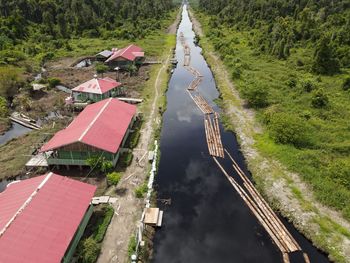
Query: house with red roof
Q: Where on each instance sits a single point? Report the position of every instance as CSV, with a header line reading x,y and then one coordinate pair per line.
x,y
123,58
99,131
43,218
97,89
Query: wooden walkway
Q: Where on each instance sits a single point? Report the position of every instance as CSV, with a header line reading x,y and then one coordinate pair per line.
x,y
212,132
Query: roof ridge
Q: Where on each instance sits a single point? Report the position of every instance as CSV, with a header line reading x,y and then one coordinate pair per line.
x,y
98,84
94,120
26,203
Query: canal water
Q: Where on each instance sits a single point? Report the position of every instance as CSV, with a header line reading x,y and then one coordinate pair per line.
x,y
207,221
15,131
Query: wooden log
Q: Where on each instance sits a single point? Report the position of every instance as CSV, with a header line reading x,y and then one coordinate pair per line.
x,y
251,206
306,258
293,245
285,258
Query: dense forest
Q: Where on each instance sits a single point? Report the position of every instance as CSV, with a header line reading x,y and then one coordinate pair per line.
x,y
278,26
290,60
42,19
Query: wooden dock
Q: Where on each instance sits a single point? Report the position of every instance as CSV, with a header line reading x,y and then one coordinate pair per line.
x,y
263,212
213,136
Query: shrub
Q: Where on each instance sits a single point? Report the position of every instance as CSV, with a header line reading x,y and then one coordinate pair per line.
x,y
102,228
134,139
346,84
308,85
53,82
100,163
3,107
126,159
91,250
101,68
141,190
319,99
113,178
256,96
132,246
288,129
292,82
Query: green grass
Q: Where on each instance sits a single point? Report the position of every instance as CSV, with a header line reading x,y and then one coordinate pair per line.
x,y
323,163
320,162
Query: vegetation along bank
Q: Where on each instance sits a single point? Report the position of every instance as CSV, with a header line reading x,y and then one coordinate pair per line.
x,y
289,61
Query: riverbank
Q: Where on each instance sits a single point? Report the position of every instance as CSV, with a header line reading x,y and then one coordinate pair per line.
x,y
327,229
115,247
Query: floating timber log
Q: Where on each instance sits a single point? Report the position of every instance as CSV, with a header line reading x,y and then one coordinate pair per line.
x,y
213,138
195,83
201,103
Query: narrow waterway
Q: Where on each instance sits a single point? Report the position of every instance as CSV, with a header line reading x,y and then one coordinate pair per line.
x,y
15,131
207,221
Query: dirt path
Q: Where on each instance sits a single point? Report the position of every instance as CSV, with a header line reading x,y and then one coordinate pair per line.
x,y
277,181
128,208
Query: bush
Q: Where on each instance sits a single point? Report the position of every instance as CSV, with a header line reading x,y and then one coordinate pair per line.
x,y
319,99
53,82
91,250
257,97
346,84
134,139
100,163
141,190
132,246
292,82
126,159
102,228
3,108
308,85
288,129
101,68
113,178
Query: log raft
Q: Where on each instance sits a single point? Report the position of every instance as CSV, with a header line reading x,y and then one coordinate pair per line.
x,y
213,137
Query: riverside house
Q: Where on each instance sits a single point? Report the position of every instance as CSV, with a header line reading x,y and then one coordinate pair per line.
x,y
97,89
100,131
125,57
43,218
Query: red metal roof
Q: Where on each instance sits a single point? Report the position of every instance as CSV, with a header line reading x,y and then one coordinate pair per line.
x,y
130,53
48,210
101,125
97,85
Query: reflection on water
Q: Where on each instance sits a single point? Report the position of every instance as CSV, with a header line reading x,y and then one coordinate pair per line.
x,y
207,221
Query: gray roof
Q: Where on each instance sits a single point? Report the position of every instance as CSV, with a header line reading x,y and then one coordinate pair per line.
x,y
105,53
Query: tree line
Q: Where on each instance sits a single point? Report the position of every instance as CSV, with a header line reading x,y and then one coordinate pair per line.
x,y
21,19
279,25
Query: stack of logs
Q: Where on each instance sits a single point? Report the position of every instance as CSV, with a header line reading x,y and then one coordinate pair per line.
x,y
263,212
195,83
212,132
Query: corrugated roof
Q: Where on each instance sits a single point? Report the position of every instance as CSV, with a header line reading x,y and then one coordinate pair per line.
x,y
105,53
45,214
101,125
130,53
97,85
